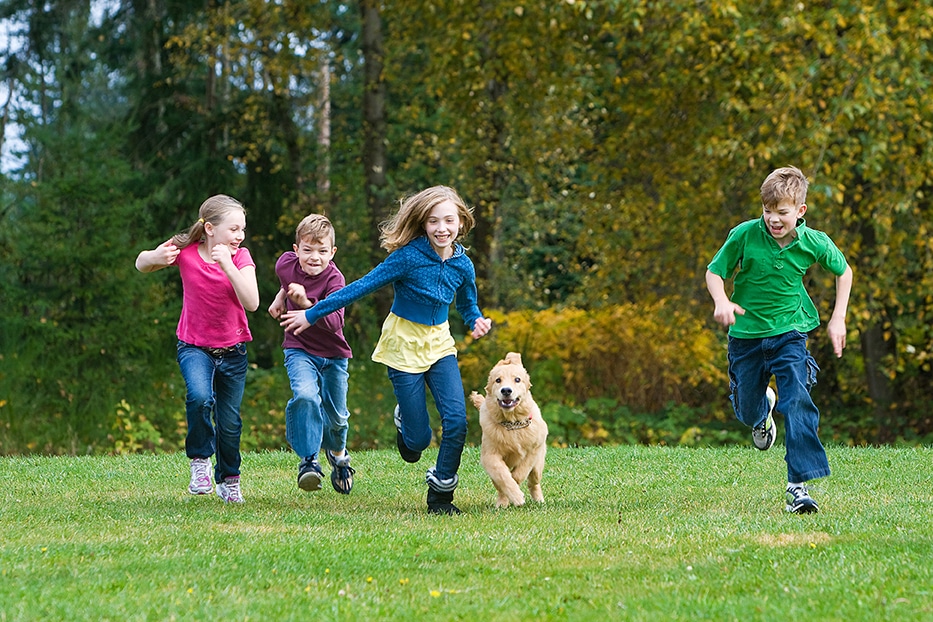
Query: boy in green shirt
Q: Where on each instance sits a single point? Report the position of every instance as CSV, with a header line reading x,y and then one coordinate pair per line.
x,y
768,318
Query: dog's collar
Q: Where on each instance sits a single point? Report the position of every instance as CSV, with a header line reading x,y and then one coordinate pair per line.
x,y
516,425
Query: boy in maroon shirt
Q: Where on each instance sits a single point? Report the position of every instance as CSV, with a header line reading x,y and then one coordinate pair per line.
x,y
316,359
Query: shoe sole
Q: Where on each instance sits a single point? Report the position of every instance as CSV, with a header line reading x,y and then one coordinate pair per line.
x,y
342,486
200,491
310,481
773,438
407,454
804,508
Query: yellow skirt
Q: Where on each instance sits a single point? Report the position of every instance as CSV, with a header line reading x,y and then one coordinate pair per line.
x,y
411,347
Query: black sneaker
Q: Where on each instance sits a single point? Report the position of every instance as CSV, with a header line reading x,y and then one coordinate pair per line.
x,y
342,475
763,435
799,501
407,454
442,503
310,474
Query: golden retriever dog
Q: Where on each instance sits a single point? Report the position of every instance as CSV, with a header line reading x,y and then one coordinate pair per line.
x,y
514,434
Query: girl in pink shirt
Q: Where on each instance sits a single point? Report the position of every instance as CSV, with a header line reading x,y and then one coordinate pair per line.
x,y
218,277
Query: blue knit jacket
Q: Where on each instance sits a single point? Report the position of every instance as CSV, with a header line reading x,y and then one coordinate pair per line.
x,y
425,285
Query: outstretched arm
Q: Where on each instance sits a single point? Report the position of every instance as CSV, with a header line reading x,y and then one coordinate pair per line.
x,y
836,329
162,256
725,310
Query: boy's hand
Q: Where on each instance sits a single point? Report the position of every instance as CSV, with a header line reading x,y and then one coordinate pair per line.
x,y
297,294
481,327
294,322
277,308
725,313
836,329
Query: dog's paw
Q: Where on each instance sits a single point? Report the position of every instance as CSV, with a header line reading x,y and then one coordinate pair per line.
x,y
477,399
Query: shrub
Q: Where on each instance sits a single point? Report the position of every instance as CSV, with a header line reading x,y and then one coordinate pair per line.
x,y
593,370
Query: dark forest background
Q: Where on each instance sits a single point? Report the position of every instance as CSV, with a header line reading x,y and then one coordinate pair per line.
x,y
607,147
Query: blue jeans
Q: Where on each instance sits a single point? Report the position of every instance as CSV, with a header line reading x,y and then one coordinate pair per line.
x,y
316,416
443,379
752,362
215,386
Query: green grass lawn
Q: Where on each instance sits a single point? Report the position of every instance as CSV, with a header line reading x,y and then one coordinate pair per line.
x,y
629,533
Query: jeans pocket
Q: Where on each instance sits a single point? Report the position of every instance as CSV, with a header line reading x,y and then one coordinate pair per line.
x,y
812,370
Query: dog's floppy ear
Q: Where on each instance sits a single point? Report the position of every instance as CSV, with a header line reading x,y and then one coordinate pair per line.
x,y
514,358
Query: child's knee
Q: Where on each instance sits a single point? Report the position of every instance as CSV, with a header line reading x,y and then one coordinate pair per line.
x,y
419,440
455,429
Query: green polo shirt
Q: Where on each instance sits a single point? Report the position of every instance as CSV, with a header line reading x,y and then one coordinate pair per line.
x,y
769,281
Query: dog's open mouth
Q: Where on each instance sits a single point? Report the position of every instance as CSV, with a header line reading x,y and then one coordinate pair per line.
x,y
507,404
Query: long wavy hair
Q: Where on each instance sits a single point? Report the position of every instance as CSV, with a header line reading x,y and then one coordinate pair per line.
x,y
214,210
408,222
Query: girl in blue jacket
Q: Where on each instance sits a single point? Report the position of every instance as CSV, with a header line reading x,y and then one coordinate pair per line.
x,y
429,269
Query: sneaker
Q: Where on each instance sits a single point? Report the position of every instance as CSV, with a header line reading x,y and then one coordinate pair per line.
x,y
310,474
442,503
201,480
407,454
342,475
229,490
763,435
799,501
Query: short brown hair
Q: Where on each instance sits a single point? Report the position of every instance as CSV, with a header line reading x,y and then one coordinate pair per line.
x,y
787,182
317,228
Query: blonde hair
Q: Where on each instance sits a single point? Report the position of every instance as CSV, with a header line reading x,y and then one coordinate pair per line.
x,y
787,182
408,223
213,210
317,228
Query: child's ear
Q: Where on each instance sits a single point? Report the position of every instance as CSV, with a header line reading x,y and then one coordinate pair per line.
x,y
801,210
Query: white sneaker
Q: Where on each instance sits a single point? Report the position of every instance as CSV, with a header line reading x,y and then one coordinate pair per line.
x,y
201,480
229,490
763,434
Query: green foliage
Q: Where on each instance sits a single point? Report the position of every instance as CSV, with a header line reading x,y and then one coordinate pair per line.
x,y
606,146
133,433
619,374
644,356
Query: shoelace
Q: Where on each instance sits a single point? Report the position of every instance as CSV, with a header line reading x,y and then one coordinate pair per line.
x,y
233,491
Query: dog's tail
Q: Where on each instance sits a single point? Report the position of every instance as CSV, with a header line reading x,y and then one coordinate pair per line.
x,y
477,399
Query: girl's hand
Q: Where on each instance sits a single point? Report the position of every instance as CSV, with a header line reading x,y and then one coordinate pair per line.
x,y
294,322
168,253
221,254
481,327
162,256
298,295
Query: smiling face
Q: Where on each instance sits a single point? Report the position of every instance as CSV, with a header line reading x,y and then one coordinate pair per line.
x,y
442,226
230,230
782,218
314,255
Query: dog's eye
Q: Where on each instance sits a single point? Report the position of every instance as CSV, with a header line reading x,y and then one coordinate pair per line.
x,y
498,380
518,381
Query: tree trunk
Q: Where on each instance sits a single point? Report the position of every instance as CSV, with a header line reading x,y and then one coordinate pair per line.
x,y
374,135
323,137
875,348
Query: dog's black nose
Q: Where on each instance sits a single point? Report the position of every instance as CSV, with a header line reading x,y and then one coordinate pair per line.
x,y
506,391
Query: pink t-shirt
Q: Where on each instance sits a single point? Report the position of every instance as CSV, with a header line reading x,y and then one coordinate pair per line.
x,y
211,314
